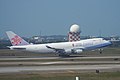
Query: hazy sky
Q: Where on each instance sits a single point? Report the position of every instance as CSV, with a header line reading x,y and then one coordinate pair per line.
x,y
54,17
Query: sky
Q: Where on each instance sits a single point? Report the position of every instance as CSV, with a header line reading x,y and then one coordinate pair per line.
x,y
54,17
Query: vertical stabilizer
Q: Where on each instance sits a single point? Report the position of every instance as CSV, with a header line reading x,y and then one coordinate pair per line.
x,y
15,39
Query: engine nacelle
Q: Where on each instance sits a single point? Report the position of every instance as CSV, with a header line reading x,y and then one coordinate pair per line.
x,y
78,51
73,51
68,51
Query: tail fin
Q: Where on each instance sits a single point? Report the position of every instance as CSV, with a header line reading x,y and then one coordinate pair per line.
x,y
15,39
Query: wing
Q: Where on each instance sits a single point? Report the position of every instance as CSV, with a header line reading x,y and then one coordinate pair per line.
x,y
62,51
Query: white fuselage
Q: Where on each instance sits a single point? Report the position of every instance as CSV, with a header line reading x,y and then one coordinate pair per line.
x,y
88,44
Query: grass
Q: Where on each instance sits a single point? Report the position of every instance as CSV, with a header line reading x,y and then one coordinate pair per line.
x,y
62,76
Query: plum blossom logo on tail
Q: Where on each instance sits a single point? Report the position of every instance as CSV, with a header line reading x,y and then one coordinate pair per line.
x,y
16,40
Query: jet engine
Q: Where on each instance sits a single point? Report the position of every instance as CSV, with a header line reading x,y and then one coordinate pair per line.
x,y
77,51
73,51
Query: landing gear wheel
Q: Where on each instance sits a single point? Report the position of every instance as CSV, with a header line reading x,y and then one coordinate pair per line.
x,y
100,51
64,55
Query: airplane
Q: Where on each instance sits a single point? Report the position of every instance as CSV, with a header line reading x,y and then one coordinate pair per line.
x,y
61,48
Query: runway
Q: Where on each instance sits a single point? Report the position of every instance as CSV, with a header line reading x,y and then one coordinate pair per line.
x,y
39,58
32,63
102,63
58,68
